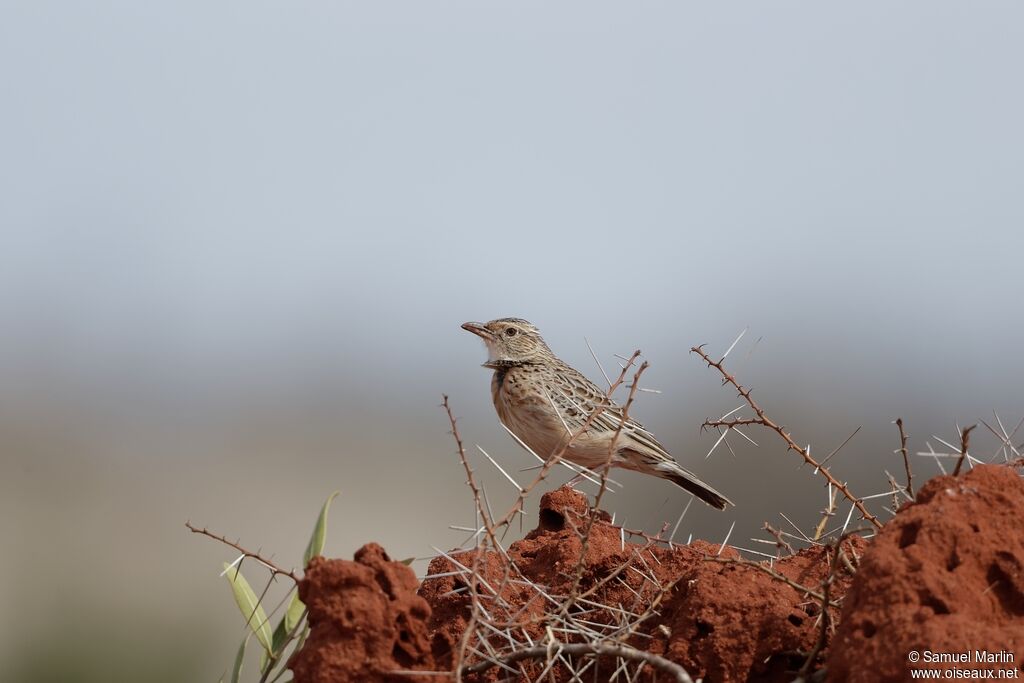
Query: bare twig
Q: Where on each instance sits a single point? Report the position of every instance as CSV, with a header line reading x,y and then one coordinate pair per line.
x,y
470,479
826,588
732,424
906,458
547,652
780,541
965,437
765,421
488,527
273,568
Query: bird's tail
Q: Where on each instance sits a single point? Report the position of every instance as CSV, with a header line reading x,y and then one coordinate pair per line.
x,y
684,479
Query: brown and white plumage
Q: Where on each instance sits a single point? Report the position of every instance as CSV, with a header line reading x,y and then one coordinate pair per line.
x,y
543,401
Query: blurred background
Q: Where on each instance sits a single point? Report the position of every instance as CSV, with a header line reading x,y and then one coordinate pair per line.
x,y
238,240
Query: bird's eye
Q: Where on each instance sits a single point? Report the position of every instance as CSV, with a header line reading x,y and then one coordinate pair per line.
x,y
510,332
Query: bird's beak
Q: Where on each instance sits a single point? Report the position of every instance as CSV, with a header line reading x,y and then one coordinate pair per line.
x,y
479,330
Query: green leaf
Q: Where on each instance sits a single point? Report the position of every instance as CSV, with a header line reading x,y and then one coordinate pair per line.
x,y
249,605
236,672
280,673
287,624
294,613
298,646
316,541
302,638
408,561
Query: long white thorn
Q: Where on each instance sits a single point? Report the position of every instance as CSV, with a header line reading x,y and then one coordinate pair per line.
x,y
598,361
722,547
232,565
679,521
500,468
848,517
739,407
736,429
720,439
733,345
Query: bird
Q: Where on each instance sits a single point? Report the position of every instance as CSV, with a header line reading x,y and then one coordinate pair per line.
x,y
543,401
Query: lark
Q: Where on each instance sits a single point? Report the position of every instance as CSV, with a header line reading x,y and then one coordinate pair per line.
x,y
544,401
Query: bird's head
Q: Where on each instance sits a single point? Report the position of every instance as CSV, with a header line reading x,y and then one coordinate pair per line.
x,y
510,341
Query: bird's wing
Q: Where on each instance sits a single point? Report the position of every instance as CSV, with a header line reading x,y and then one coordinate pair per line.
x,y
577,397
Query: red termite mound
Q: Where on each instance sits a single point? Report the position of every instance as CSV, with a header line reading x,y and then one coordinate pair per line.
x,y
365,619
945,576
725,622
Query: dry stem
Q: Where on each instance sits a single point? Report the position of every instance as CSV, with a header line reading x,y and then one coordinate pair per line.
x,y
965,437
780,541
825,617
478,554
906,457
548,652
273,568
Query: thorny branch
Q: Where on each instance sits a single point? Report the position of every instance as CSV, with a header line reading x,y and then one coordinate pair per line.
x,y
470,480
548,652
780,540
826,602
478,555
965,437
274,657
906,457
274,569
763,420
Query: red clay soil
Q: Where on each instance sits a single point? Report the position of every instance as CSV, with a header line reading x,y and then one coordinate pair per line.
x,y
944,575
365,621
